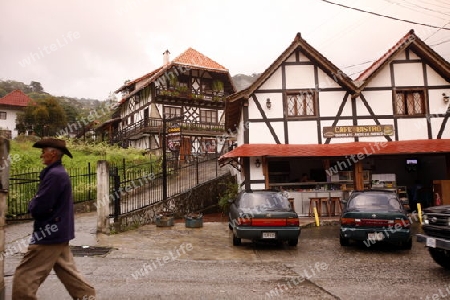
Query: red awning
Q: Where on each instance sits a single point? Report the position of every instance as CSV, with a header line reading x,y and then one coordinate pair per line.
x,y
341,149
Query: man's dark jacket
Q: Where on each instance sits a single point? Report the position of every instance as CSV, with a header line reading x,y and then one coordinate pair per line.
x,y
52,207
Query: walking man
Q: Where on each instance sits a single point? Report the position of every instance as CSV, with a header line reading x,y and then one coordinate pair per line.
x,y
52,211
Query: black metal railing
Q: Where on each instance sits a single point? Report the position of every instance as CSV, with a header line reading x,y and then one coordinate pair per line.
x,y
23,185
140,189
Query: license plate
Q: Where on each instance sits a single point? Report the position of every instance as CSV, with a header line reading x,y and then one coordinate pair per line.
x,y
377,236
268,235
431,242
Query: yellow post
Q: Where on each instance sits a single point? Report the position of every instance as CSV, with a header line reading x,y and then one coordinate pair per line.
x,y
316,216
419,211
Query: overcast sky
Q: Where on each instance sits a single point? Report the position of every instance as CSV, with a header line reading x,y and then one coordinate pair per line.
x,y
89,48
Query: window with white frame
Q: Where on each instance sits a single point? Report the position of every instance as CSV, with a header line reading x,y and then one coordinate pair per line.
x,y
2,115
409,103
301,104
208,116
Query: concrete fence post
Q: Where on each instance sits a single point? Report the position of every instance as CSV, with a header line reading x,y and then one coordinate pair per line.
x,y
103,197
4,183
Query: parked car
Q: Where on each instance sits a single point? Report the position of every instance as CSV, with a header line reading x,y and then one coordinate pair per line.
x,y
436,236
374,216
263,215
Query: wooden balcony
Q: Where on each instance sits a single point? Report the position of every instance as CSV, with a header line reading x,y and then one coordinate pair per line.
x,y
154,126
183,96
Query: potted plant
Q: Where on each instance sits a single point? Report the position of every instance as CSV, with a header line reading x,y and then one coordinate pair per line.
x,y
217,87
164,219
228,196
193,220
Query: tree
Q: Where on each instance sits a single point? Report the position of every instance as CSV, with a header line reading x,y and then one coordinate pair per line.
x,y
11,85
45,117
72,112
36,87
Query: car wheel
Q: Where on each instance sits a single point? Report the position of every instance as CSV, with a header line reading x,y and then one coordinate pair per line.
x,y
236,240
407,245
293,243
441,257
343,241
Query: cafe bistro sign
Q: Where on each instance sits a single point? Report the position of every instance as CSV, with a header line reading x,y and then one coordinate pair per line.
x,y
357,131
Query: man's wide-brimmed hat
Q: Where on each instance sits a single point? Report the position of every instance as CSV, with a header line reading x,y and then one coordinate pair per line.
x,y
53,143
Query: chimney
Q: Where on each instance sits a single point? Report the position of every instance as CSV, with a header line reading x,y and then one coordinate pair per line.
x,y
166,58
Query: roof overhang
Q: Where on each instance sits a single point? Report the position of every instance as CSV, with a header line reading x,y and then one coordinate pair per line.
x,y
359,149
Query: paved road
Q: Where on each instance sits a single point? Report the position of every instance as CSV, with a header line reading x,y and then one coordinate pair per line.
x,y
190,263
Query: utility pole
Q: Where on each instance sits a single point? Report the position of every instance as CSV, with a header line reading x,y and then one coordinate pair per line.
x,y
164,149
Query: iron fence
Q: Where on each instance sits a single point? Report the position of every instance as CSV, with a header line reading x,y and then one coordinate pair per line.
x,y
134,190
132,187
23,185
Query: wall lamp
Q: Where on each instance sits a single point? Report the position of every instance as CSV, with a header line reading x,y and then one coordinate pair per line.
x,y
257,163
268,103
445,97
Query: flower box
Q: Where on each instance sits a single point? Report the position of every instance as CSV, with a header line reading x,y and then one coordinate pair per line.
x,y
194,220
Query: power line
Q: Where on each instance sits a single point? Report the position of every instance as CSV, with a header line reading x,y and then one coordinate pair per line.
x,y
384,16
421,8
440,43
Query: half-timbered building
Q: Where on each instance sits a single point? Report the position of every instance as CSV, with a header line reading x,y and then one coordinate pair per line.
x,y
305,118
191,89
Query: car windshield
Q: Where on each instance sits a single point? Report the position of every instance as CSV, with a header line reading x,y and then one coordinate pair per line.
x,y
374,202
264,201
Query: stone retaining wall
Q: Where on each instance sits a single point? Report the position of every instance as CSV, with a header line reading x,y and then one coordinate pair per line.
x,y
203,197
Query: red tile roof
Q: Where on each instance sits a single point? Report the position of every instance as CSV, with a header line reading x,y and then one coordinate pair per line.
x,y
413,42
341,149
15,98
192,57
372,68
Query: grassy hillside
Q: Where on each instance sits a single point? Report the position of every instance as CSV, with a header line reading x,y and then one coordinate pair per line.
x,y
23,155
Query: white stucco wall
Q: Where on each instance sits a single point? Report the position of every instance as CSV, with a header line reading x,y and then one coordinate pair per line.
x,y
302,132
379,101
410,74
259,133
330,101
434,79
274,81
300,77
10,122
412,129
436,102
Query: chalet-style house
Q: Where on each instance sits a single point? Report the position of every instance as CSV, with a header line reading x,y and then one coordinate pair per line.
x,y
192,87
10,105
305,127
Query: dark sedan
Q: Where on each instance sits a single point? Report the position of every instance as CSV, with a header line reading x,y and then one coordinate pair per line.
x,y
375,216
263,215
